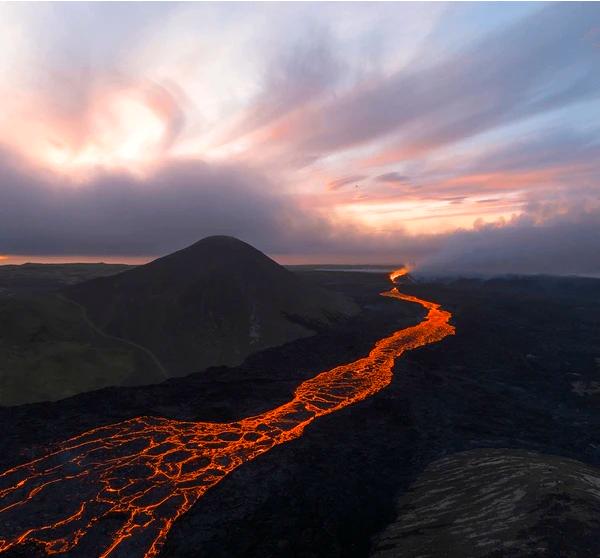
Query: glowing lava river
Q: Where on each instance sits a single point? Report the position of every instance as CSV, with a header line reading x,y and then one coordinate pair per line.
x,y
115,491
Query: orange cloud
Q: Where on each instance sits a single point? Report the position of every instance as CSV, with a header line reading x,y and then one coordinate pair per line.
x,y
120,126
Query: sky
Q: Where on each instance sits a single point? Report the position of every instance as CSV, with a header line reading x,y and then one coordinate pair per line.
x,y
459,137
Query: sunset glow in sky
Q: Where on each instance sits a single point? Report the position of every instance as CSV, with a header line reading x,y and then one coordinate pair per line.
x,y
460,134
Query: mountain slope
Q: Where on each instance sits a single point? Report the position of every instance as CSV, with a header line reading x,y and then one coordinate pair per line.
x,y
212,303
48,351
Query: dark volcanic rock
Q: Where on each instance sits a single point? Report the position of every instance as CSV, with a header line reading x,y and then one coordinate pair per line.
x,y
327,493
509,378
210,304
495,503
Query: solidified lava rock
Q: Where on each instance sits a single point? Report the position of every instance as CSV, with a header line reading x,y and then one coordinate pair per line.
x,y
497,502
333,492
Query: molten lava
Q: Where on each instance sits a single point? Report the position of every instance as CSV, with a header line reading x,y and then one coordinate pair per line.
x,y
400,272
125,484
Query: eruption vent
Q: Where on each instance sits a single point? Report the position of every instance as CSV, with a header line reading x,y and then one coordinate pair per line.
x,y
400,272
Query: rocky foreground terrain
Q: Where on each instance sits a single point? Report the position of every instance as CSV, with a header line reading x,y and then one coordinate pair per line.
x,y
497,502
485,444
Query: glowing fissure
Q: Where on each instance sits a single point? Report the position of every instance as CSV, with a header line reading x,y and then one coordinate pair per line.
x,y
115,491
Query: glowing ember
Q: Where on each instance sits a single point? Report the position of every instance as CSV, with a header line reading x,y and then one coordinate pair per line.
x,y
125,484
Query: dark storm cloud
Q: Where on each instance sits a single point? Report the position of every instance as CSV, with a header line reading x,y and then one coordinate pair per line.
x,y
115,213
118,214
539,64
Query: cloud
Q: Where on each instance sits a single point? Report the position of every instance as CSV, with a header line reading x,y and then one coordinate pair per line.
x,y
341,182
117,213
393,177
295,74
564,245
166,123
512,74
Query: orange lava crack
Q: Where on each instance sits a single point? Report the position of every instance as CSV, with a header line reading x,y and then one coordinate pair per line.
x,y
127,483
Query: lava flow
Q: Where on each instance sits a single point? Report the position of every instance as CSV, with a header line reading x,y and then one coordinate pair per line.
x,y
115,491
